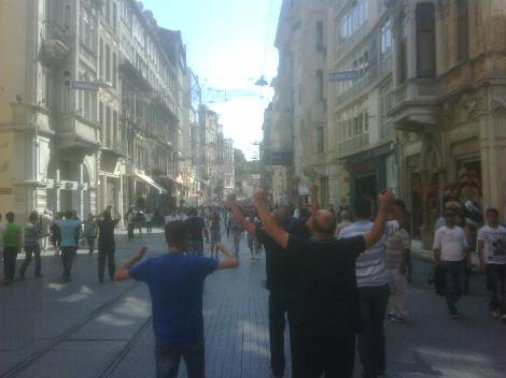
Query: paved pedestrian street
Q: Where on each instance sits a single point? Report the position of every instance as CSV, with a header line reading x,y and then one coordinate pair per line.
x,y
88,329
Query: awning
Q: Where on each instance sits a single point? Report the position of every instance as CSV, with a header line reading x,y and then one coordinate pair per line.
x,y
151,182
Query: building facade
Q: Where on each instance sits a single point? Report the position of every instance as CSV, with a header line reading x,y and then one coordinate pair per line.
x,y
412,100
91,107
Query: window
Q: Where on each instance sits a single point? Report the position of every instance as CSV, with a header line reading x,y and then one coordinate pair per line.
x,y
101,120
320,140
88,31
353,20
462,30
114,16
403,51
319,36
386,38
107,63
114,69
319,86
108,126
101,59
426,41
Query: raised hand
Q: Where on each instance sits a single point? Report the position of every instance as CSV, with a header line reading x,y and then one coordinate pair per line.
x,y
258,196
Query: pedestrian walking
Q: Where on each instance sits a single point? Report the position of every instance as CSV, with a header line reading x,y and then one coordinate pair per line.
x,y
90,232
149,221
12,243
197,230
106,245
281,278
215,228
492,253
327,314
70,230
55,234
235,231
398,248
254,244
452,253
374,290
33,233
176,283
46,220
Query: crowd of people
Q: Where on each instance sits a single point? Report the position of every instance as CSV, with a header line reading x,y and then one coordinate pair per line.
x,y
332,278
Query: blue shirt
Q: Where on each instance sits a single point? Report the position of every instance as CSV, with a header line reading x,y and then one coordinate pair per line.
x,y
176,285
370,267
69,230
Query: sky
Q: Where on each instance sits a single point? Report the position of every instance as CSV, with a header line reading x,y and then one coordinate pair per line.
x,y
229,45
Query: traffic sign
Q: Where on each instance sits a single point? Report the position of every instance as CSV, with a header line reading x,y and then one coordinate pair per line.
x,y
343,75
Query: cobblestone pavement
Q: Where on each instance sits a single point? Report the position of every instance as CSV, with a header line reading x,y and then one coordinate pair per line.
x,y
88,329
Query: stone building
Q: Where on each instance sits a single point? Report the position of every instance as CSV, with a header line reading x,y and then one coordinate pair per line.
x,y
449,101
91,106
412,95
228,167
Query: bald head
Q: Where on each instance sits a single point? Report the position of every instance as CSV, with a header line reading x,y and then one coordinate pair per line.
x,y
324,222
281,215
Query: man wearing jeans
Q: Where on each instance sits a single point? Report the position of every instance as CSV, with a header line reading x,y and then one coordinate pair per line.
x,y
492,252
374,290
176,284
451,250
70,230
196,230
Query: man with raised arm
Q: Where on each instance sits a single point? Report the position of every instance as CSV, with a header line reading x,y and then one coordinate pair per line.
x,y
327,308
281,279
176,283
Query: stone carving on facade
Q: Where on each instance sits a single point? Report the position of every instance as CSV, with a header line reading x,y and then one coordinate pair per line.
x,y
473,105
498,106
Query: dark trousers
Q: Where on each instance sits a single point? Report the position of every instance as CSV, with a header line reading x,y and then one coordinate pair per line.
x,y
281,305
371,341
454,280
29,251
91,243
67,256
103,254
496,277
169,357
130,230
10,254
331,355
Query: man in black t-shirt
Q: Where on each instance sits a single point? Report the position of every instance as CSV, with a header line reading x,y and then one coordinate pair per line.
x,y
196,228
327,309
281,279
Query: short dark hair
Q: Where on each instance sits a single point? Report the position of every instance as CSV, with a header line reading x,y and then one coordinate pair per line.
x,y
10,216
362,208
492,210
176,232
69,214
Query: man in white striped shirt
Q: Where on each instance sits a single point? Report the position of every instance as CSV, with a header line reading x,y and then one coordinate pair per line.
x,y
373,285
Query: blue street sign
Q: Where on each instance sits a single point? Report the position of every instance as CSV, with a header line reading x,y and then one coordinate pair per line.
x,y
343,75
85,85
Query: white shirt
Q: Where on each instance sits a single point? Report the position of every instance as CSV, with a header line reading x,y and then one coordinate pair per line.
x,y
451,242
494,239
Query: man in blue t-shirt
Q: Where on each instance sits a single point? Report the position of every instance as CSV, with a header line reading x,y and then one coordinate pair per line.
x,y
176,283
70,231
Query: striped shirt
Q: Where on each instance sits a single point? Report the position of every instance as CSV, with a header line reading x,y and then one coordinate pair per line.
x,y
370,267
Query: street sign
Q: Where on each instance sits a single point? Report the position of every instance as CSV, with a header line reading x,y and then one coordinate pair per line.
x,y
85,85
343,75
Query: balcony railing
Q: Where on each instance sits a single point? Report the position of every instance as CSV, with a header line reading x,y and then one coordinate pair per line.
x,y
353,144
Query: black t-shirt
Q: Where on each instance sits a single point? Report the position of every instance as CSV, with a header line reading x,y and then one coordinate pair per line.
x,y
195,225
106,233
280,268
327,300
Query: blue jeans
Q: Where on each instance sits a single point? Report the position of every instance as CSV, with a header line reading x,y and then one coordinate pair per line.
x,y
371,341
196,247
454,280
67,255
169,357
